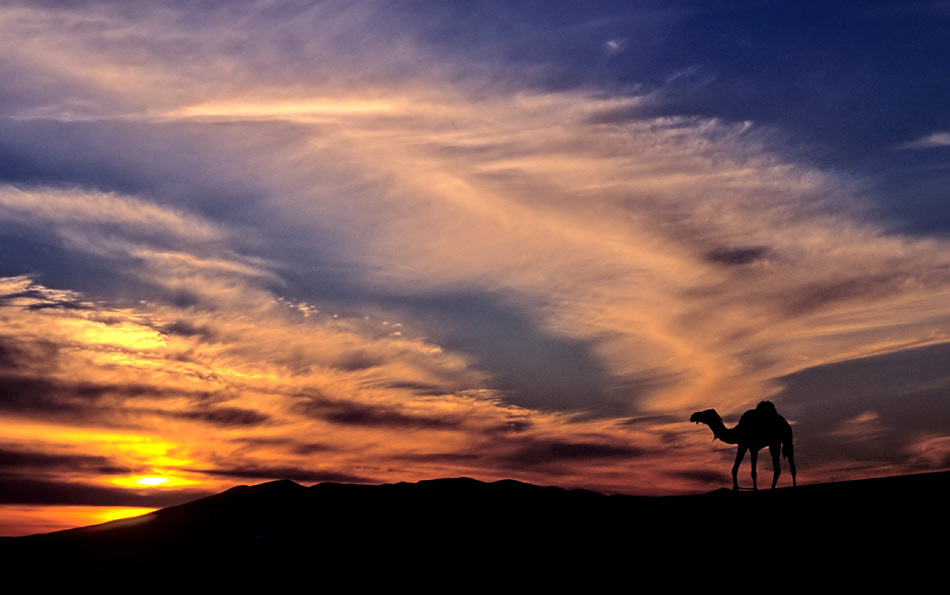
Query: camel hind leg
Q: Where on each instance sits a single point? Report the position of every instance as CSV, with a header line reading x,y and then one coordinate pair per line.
x,y
774,450
754,461
790,455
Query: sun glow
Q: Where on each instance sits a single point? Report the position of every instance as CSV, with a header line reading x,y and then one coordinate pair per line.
x,y
153,481
18,520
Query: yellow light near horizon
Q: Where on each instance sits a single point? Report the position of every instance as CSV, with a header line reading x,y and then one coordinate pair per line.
x,y
16,520
153,481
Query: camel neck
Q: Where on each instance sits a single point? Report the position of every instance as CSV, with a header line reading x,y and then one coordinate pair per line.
x,y
727,435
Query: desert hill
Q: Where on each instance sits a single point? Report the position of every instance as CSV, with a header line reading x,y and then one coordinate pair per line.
x,y
467,527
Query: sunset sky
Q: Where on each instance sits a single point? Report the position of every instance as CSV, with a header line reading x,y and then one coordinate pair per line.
x,y
375,242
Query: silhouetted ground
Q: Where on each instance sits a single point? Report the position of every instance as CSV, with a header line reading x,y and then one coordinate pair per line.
x,y
514,534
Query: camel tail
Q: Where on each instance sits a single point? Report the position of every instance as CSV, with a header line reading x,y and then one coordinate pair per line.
x,y
788,449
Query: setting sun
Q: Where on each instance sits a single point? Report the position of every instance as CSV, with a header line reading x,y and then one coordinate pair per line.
x,y
154,481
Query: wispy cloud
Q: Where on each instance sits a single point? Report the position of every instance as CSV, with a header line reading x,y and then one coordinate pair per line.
x,y
931,141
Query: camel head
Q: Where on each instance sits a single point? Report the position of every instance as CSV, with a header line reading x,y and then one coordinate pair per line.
x,y
707,417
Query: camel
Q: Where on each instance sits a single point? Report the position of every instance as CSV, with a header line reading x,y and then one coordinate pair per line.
x,y
757,428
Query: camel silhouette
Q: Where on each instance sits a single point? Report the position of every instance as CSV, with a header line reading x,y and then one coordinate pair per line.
x,y
757,428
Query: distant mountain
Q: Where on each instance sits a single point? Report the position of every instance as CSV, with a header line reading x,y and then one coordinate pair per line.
x,y
463,527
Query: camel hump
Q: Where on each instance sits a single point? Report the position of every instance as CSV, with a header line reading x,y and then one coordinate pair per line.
x,y
766,407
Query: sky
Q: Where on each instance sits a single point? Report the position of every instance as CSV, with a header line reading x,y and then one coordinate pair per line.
x,y
376,242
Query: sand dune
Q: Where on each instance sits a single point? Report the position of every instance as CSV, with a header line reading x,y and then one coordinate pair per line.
x,y
511,531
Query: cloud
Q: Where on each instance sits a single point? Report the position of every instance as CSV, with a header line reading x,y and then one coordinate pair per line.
x,y
737,256
864,427
223,416
930,452
374,415
20,459
301,475
37,491
884,410
105,212
107,381
552,452
931,141
615,46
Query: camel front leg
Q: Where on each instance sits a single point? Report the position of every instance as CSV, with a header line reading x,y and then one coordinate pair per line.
x,y
740,454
